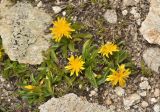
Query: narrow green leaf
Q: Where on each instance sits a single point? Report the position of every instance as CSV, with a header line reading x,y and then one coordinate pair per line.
x,y
90,75
83,35
64,51
54,57
85,48
71,47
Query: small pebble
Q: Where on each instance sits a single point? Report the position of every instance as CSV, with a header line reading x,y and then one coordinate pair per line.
x,y
119,91
144,85
156,108
108,101
144,93
156,92
124,12
144,104
40,4
64,13
153,100
56,9
93,93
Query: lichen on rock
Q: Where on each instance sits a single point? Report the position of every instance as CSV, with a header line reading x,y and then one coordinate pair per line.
x,y
151,26
22,31
71,103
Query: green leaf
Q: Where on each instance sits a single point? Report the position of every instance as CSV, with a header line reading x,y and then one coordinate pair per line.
x,y
33,79
120,57
90,76
54,57
78,26
71,47
85,48
64,51
83,35
103,78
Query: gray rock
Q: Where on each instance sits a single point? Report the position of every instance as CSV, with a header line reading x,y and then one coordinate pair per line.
x,y
153,100
131,100
119,91
156,108
22,30
144,85
124,12
157,92
150,28
135,13
56,9
111,16
71,103
40,4
144,104
151,57
144,93
93,93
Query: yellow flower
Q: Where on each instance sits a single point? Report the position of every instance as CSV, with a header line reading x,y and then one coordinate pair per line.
x,y
61,28
108,48
119,76
29,87
75,65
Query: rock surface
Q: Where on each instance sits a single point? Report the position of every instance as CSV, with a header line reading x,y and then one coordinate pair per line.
x,y
131,100
119,91
111,16
151,57
151,26
70,103
156,108
22,31
144,85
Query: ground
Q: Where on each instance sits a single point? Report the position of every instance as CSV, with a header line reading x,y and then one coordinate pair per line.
x,y
91,13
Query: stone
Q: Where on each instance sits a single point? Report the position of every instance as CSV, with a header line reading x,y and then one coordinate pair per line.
x,y
22,31
56,9
144,85
119,91
150,27
135,13
130,2
144,93
144,104
124,12
93,93
110,16
131,100
156,108
71,103
108,101
64,13
151,57
1,79
144,79
153,100
157,92
40,4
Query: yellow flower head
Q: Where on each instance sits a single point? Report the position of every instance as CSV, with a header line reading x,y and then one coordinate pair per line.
x,y
108,48
61,28
75,65
120,76
29,87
